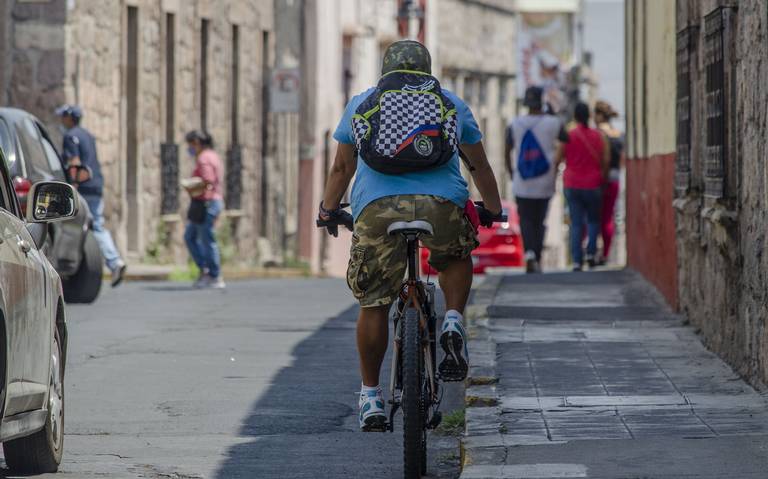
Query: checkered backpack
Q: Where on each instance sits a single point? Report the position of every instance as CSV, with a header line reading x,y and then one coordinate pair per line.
x,y
407,124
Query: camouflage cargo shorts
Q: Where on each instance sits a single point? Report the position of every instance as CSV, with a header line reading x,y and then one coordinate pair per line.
x,y
377,261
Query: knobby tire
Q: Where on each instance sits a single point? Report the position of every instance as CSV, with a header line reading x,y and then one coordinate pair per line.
x,y
413,427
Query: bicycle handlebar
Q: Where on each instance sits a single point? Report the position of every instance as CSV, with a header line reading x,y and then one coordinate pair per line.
x,y
345,219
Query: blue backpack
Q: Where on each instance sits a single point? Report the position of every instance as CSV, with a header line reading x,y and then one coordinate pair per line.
x,y
531,160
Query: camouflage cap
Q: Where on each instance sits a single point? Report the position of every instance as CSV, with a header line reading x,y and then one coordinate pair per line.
x,y
406,55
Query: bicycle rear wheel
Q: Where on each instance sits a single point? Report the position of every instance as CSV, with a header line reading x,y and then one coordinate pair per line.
x,y
413,419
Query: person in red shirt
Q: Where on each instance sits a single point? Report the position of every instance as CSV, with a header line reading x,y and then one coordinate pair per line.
x,y
204,209
587,160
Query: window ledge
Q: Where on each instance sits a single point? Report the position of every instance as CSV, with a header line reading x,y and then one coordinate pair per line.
x,y
171,218
687,205
720,216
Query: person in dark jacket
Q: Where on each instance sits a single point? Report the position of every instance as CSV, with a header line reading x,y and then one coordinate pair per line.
x,y
84,171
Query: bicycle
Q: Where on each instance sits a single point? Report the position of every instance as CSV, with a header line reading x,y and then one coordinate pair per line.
x,y
414,385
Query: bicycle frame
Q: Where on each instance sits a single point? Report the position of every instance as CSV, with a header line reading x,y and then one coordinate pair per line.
x,y
413,294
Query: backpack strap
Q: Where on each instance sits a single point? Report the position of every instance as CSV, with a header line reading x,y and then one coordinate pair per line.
x,y
465,159
534,125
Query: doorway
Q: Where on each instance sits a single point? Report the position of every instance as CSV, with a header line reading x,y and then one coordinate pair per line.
x,y
131,119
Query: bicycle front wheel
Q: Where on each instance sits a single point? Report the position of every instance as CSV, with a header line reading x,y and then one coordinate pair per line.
x,y
413,419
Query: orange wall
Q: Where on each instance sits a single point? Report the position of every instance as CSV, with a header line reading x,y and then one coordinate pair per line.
x,y
651,245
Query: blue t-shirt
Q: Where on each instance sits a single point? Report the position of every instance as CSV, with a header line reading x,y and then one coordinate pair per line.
x,y
445,181
79,143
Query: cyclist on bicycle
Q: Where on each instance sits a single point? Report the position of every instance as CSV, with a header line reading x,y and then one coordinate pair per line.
x,y
378,261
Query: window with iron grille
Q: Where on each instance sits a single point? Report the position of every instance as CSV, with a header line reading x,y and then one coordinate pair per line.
x,y
686,40
234,177
169,151
234,172
715,151
169,162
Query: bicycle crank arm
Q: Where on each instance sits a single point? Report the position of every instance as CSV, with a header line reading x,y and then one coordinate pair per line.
x,y
392,412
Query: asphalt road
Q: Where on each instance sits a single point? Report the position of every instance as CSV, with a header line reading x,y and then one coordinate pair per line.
x,y
258,381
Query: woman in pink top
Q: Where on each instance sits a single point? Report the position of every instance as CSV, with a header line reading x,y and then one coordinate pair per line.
x,y
204,209
587,158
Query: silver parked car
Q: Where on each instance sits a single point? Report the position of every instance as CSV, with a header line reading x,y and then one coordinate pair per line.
x,y
33,333
71,246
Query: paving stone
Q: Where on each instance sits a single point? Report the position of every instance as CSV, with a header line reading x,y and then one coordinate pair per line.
x,y
525,471
615,371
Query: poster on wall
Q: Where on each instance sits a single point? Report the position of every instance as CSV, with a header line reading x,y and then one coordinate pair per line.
x,y
545,54
284,90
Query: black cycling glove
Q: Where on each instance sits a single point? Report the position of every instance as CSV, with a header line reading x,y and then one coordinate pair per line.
x,y
331,219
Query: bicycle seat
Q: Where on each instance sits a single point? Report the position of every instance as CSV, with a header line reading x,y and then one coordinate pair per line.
x,y
413,227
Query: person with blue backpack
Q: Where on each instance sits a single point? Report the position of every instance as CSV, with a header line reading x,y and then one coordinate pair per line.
x,y
533,153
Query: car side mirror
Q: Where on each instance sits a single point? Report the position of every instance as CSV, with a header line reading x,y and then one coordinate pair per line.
x,y
50,201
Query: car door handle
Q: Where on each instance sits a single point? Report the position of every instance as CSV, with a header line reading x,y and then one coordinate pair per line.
x,y
24,246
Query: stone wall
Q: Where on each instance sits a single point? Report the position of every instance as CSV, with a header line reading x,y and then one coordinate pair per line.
x,y
723,268
480,68
32,55
76,52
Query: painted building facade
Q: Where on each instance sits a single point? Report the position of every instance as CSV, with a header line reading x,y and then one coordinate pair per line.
x,y
697,178
650,147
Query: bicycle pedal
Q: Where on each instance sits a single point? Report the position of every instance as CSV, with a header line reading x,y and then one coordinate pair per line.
x,y
437,418
376,426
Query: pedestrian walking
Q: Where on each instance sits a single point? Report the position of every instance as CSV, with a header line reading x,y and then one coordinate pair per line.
x,y
204,209
587,159
532,149
84,172
604,112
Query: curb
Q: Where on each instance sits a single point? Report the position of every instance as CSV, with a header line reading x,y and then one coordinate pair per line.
x,y
482,444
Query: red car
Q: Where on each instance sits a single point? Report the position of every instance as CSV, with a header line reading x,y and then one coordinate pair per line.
x,y
500,245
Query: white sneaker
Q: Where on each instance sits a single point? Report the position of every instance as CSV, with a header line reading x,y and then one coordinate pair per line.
x,y
453,339
216,283
372,416
531,263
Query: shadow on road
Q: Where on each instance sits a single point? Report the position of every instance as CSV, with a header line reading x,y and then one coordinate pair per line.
x,y
295,425
305,426
171,288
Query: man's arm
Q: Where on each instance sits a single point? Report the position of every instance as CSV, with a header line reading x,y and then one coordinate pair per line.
x,y
342,171
71,156
70,151
509,145
508,160
483,176
559,154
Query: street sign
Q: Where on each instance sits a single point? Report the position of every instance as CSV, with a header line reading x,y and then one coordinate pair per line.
x,y
284,90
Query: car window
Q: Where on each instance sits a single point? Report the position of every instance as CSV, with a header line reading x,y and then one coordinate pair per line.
x,y
53,159
9,149
5,192
34,155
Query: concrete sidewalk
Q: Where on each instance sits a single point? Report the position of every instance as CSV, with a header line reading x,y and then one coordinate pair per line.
x,y
590,375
